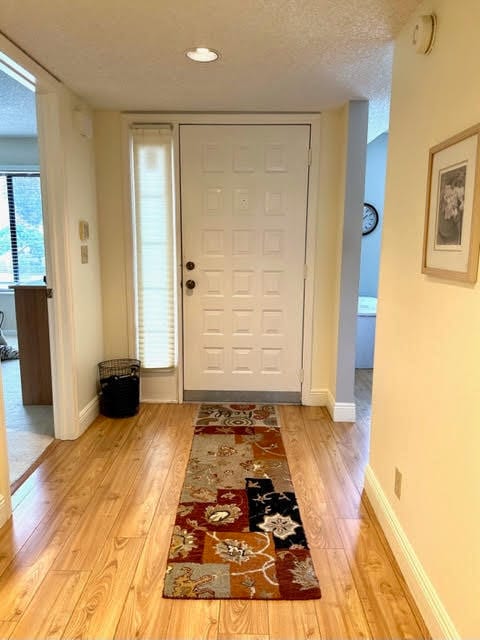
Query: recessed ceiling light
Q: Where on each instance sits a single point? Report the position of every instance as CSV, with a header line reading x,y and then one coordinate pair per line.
x,y
202,54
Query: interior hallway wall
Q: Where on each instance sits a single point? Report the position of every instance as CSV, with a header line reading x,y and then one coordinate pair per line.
x,y
112,228
81,204
426,391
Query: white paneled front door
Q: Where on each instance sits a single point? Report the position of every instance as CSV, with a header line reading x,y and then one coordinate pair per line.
x,y
244,203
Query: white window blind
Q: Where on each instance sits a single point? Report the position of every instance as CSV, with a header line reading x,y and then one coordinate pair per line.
x,y
154,247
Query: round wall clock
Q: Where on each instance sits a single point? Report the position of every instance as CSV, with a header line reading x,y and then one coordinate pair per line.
x,y
370,218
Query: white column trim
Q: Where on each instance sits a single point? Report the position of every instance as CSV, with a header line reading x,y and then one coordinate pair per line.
x,y
341,411
310,250
58,259
315,397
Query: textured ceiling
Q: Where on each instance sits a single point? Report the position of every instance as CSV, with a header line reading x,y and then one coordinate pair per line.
x,y
17,108
276,55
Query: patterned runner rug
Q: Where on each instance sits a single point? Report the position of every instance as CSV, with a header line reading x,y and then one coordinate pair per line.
x,y
238,532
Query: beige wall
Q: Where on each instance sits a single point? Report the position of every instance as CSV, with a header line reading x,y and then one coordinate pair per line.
x,y
333,139
115,240
80,204
112,227
426,401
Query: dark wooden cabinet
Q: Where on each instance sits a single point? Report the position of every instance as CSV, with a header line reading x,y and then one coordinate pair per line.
x,y
33,343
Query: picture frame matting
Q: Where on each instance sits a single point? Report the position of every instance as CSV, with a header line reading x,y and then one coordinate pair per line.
x,y
452,217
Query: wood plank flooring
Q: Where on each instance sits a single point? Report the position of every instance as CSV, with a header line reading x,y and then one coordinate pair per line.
x,y
85,552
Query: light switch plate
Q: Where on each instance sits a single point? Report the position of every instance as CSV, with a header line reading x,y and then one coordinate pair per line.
x,y
84,253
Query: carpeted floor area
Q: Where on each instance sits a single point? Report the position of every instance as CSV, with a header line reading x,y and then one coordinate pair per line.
x,y
29,428
19,417
24,448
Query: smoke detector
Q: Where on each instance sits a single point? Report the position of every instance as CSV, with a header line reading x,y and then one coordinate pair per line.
x,y
423,35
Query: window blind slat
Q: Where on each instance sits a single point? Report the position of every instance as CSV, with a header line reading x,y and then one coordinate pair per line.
x,y
22,254
153,209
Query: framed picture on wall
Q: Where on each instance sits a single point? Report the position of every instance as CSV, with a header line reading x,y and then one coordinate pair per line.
x,y
452,219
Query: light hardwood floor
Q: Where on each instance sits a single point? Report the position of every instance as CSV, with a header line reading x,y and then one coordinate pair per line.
x,y
85,553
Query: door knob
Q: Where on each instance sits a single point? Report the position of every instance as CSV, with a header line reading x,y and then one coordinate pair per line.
x,y
190,284
190,265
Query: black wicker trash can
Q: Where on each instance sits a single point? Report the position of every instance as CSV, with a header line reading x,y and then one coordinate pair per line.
x,y
119,387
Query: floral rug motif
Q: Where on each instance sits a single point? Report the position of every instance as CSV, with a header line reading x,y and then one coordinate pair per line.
x,y
238,531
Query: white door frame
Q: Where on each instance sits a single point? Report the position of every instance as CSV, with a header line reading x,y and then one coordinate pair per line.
x,y
175,119
57,243
49,95
64,387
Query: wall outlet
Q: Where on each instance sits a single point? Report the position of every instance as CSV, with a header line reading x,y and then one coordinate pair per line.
x,y
398,483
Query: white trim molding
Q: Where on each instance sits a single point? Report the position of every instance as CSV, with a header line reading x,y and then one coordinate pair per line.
x,y
58,258
431,607
341,411
315,397
88,414
4,511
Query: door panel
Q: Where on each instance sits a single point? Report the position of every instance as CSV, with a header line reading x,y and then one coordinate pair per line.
x,y
244,202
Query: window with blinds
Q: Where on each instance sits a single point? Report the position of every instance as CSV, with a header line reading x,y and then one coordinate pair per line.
x,y
154,247
22,250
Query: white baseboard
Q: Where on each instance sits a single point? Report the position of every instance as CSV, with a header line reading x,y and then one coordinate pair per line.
x,y
315,398
157,401
88,414
434,613
341,411
4,511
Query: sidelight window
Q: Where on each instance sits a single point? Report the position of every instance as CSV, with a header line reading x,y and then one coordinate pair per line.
x,y
154,246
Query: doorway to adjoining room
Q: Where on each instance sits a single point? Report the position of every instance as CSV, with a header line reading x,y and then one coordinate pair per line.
x,y
369,272
24,340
